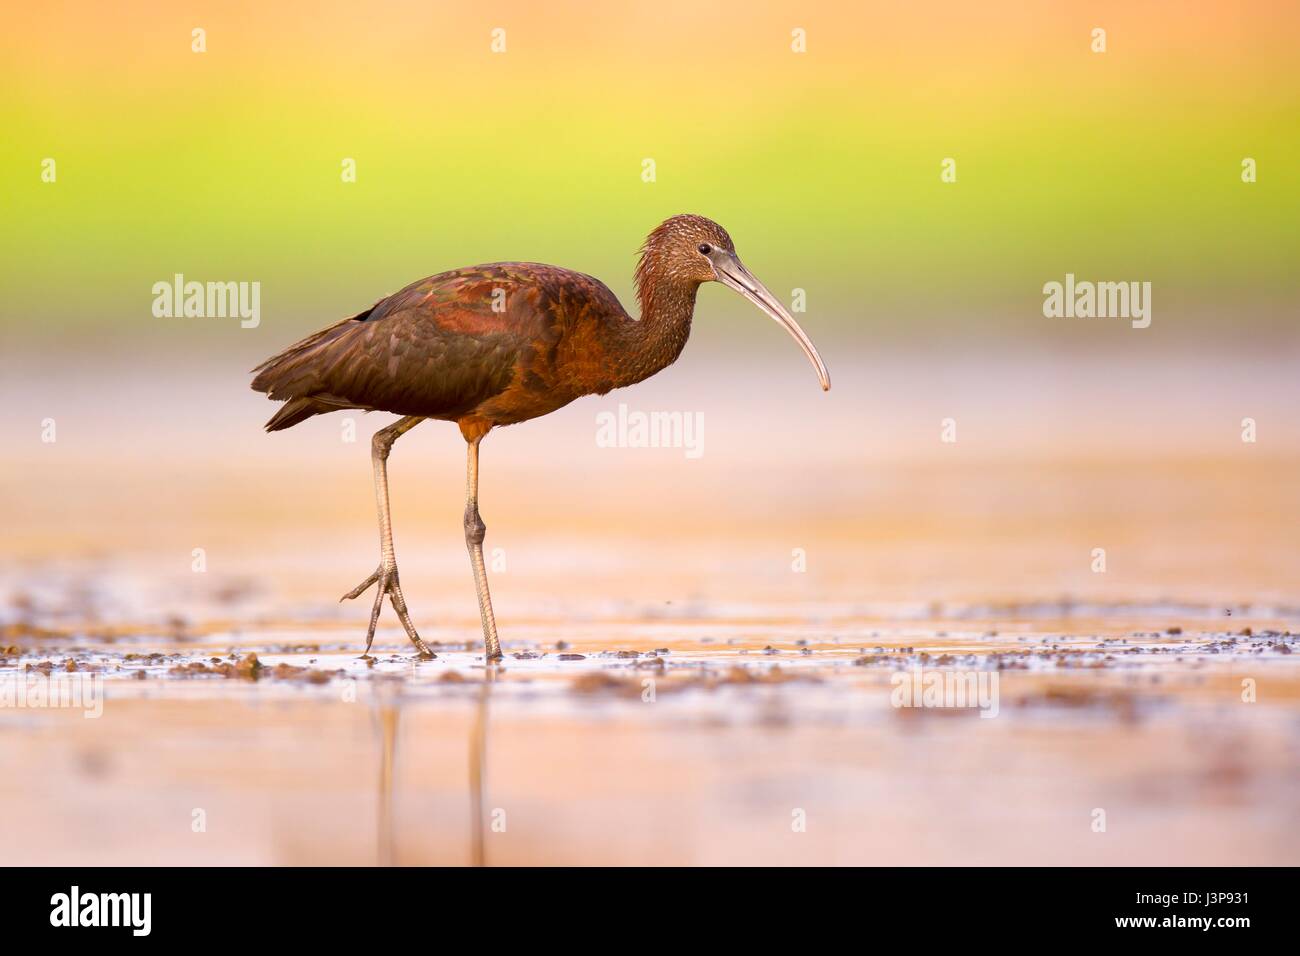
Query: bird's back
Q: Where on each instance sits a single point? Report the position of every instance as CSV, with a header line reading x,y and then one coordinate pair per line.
x,y
507,340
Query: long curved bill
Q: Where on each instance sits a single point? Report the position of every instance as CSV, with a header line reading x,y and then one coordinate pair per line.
x,y
734,275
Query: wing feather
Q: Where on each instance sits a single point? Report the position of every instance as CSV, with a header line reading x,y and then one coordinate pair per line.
x,y
437,348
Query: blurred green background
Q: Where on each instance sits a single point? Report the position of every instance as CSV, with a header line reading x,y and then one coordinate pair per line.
x,y
824,165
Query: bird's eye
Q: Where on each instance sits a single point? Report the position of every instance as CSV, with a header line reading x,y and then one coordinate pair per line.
x,y
705,248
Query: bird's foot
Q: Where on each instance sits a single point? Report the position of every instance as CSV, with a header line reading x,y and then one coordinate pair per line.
x,y
385,576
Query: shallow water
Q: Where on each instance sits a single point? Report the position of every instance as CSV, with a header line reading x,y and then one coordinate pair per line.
x,y
715,743
677,687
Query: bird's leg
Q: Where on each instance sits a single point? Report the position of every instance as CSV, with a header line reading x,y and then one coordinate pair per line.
x,y
386,574
475,531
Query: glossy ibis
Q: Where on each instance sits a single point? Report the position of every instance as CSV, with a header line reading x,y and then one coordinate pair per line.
x,y
499,344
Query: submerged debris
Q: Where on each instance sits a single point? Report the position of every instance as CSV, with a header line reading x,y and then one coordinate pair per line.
x,y
598,682
249,667
604,681
1122,703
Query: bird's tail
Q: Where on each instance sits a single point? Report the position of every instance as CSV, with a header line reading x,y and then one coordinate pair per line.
x,y
297,410
292,377
271,374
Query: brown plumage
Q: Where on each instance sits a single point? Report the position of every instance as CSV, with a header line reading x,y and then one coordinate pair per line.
x,y
498,344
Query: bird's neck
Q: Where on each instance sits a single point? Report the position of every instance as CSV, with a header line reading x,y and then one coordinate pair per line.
x,y
654,342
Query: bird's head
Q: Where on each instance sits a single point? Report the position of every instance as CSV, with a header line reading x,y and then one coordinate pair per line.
x,y
694,250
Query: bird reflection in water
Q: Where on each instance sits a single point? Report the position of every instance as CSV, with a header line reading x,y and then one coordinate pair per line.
x,y
388,694
388,705
478,740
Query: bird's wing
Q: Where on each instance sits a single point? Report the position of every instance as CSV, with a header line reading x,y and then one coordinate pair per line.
x,y
437,348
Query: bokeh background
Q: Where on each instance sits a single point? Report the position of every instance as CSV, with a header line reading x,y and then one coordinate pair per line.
x,y
923,296
824,165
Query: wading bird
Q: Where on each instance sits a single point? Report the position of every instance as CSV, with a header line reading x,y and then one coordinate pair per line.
x,y
499,344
